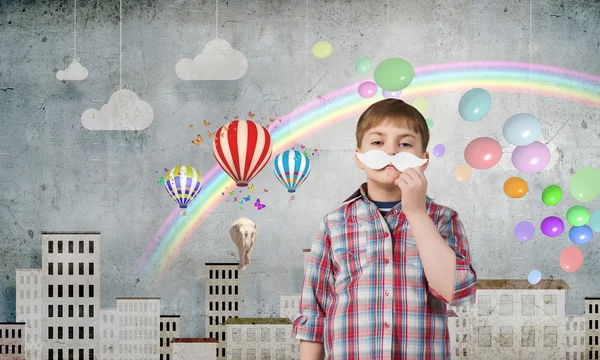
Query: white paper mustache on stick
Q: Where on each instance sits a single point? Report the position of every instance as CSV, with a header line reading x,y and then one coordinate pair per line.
x,y
377,159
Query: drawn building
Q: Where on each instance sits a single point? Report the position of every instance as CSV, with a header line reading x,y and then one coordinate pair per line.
x,y
109,334
12,341
29,310
592,331
138,328
575,338
260,338
169,330
193,348
71,297
223,300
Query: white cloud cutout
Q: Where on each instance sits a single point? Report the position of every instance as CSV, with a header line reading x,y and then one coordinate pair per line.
x,y
218,61
124,111
74,72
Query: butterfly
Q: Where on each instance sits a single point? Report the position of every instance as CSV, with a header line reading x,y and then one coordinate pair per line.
x,y
251,114
222,193
271,120
235,199
251,187
266,191
302,146
210,135
225,127
156,172
197,142
316,150
305,154
231,193
161,181
258,205
235,117
247,198
166,170
206,123
191,125
267,126
292,197
262,117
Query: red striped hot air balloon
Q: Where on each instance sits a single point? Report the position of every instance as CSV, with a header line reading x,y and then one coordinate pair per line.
x,y
242,148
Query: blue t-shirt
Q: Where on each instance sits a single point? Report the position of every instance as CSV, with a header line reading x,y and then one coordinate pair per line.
x,y
385,206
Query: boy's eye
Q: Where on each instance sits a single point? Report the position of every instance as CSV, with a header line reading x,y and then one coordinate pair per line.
x,y
405,144
377,142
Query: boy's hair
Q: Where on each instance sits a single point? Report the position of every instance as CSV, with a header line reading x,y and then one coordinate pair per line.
x,y
396,111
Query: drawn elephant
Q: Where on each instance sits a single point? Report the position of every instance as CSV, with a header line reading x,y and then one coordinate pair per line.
x,y
243,234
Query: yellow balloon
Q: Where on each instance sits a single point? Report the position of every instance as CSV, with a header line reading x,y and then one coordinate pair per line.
x,y
322,49
463,173
421,104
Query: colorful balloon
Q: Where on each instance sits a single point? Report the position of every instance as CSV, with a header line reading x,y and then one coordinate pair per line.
x,y
531,158
183,183
242,148
552,226
534,277
585,184
291,168
429,123
595,221
474,104
515,187
394,74
521,129
581,234
483,153
552,195
421,104
363,64
578,215
367,89
571,259
439,150
463,173
524,231
322,49
391,94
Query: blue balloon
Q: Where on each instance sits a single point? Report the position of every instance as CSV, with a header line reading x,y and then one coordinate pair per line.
x,y
474,104
291,168
534,277
521,129
595,221
581,234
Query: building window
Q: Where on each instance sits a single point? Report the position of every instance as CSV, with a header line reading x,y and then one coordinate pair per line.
x,y
210,274
91,311
91,247
230,274
167,326
590,326
280,335
81,272
80,310
19,336
60,333
528,336
91,290
50,311
60,268
528,305
596,308
50,332
236,273
71,356
550,336
217,290
60,247
91,332
550,305
60,311
71,291
60,354
81,291
161,342
50,354
81,331
485,336
174,326
216,277
70,268
210,290
91,352
71,331
80,354
50,247
91,268
50,268
70,247
161,326
81,252
60,290
506,305
506,336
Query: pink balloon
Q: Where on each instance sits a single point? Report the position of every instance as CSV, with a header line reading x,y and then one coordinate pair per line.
x,y
367,89
531,158
483,153
571,259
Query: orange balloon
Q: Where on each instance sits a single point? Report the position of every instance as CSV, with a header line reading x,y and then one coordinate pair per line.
x,y
463,173
515,187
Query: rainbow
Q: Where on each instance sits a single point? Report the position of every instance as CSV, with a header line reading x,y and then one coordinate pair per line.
x,y
345,103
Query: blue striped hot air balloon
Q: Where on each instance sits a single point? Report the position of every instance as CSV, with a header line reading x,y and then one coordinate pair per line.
x,y
183,183
291,169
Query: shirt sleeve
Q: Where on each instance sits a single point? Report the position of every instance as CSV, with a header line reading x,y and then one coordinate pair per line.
x,y
318,280
465,278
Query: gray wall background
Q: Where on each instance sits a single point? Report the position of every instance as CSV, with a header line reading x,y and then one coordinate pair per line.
x,y
49,182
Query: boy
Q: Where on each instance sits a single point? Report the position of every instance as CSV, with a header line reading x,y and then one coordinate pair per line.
x,y
384,265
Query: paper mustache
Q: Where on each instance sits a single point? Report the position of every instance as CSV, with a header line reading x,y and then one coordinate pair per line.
x,y
377,159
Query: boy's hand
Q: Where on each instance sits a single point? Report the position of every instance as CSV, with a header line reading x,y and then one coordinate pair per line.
x,y
413,184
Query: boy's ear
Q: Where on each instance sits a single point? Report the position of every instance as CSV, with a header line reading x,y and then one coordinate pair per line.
x,y
359,164
426,156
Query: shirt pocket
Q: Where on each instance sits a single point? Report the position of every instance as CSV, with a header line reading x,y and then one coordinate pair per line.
x,y
412,252
351,263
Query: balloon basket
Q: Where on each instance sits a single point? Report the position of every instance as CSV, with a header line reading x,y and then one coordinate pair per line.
x,y
182,213
241,184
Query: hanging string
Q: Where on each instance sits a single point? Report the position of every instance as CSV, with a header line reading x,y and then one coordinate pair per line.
x,y
217,19
120,43
75,33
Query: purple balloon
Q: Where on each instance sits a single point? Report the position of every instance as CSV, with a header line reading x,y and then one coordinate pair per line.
x,y
439,150
552,226
524,231
391,94
531,158
367,89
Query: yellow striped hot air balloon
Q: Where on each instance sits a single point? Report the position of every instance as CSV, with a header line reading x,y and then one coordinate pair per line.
x,y
183,183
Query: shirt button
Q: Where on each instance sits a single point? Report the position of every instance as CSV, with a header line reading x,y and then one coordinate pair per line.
x,y
395,212
386,293
386,325
386,261
386,235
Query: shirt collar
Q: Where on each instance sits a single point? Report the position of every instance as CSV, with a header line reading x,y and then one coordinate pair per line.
x,y
361,192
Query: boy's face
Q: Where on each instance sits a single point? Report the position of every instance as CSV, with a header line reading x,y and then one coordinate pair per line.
x,y
391,139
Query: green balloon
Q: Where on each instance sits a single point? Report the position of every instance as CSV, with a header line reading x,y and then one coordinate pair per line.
x,y
585,184
552,195
363,64
429,123
578,215
394,74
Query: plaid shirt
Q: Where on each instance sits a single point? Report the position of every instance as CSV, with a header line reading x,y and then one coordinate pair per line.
x,y
365,295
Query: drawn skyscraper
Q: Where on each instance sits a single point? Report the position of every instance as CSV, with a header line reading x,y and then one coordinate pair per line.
x,y
108,333
592,330
223,300
12,341
29,310
138,328
169,330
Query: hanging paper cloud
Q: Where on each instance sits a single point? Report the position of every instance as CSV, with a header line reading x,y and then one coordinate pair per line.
x,y
74,72
218,61
124,111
